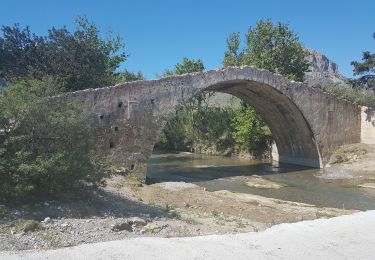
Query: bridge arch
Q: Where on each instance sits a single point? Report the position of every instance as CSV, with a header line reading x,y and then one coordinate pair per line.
x,y
307,124
292,133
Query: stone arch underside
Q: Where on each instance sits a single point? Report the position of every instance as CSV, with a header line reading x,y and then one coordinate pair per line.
x,y
292,134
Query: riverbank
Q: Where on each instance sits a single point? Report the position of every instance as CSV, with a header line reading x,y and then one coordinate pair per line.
x,y
160,210
345,237
125,209
355,161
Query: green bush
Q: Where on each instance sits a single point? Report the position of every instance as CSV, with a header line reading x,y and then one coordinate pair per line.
x,y
215,130
198,129
250,132
353,95
45,147
174,135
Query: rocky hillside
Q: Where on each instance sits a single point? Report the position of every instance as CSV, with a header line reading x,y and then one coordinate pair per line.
x,y
323,71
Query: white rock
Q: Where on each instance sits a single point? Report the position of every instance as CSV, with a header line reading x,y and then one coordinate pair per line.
x,y
175,186
137,221
47,220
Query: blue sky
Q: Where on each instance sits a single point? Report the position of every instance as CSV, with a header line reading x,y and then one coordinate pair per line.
x,y
158,34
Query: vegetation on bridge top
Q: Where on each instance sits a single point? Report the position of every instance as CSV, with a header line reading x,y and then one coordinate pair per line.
x,y
357,96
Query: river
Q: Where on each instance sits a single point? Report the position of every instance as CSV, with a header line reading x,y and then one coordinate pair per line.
x,y
300,184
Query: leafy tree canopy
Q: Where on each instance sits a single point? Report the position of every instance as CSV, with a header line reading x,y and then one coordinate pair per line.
x,y
367,65
366,68
187,66
249,128
269,46
78,60
127,76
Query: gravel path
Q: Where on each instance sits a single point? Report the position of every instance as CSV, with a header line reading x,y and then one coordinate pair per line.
x,y
345,237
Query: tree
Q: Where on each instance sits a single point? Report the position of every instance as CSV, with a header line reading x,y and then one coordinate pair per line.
x,y
78,60
368,64
16,50
269,46
249,130
45,148
127,76
232,56
366,68
187,66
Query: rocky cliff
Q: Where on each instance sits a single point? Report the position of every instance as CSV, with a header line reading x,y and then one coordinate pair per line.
x,y
322,71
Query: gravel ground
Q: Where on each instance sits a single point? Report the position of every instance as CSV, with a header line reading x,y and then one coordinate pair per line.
x,y
344,237
173,209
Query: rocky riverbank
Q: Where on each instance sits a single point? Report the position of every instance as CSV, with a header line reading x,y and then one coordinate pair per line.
x,y
354,161
125,210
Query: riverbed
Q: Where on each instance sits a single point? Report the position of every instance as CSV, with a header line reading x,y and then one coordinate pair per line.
x,y
320,187
193,195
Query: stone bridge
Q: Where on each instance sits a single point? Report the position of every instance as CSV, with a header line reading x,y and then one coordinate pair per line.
x,y
307,124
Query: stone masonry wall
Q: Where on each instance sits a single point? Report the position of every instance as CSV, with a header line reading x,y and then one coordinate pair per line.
x,y
308,124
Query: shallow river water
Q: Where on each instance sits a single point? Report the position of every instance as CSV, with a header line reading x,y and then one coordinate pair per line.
x,y
314,186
